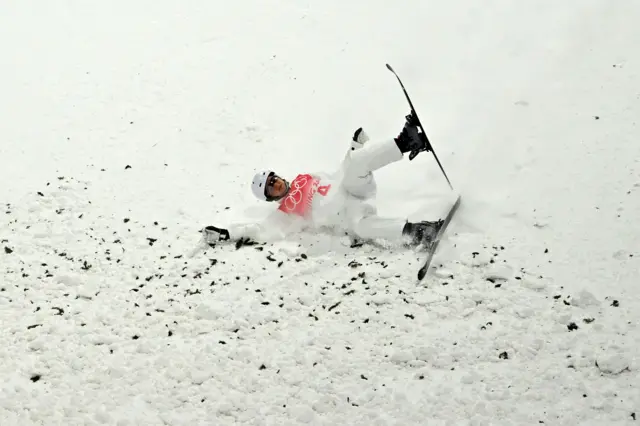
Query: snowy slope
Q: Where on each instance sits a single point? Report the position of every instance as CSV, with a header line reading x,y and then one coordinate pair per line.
x,y
128,126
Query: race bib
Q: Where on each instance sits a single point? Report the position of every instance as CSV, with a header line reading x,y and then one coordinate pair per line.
x,y
301,192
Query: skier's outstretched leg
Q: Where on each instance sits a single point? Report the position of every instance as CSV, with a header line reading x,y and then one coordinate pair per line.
x,y
372,156
365,224
397,231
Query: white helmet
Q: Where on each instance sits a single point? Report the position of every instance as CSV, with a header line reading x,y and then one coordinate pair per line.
x,y
259,184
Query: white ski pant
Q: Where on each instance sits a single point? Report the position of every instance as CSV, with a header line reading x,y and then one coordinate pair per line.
x,y
360,185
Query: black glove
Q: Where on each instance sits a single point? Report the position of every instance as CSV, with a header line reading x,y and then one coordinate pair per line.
x,y
213,233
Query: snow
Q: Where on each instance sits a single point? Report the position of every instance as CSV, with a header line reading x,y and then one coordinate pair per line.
x,y
129,126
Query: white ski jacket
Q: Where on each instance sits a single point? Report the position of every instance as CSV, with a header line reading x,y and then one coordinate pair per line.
x,y
340,201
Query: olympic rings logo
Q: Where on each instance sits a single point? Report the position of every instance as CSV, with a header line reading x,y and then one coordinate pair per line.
x,y
303,189
295,196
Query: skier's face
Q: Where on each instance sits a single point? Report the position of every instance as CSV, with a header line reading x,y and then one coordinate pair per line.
x,y
276,187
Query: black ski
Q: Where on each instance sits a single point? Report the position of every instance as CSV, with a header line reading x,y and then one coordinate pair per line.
x,y
431,251
422,131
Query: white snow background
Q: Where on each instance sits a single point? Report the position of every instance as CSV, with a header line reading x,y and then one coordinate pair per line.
x,y
125,127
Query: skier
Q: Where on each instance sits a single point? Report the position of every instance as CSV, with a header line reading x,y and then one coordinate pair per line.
x,y
341,201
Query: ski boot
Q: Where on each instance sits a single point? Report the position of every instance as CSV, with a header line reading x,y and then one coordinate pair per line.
x,y
359,139
410,139
421,233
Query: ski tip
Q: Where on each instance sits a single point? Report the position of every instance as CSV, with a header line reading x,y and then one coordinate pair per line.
x,y
421,273
389,68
